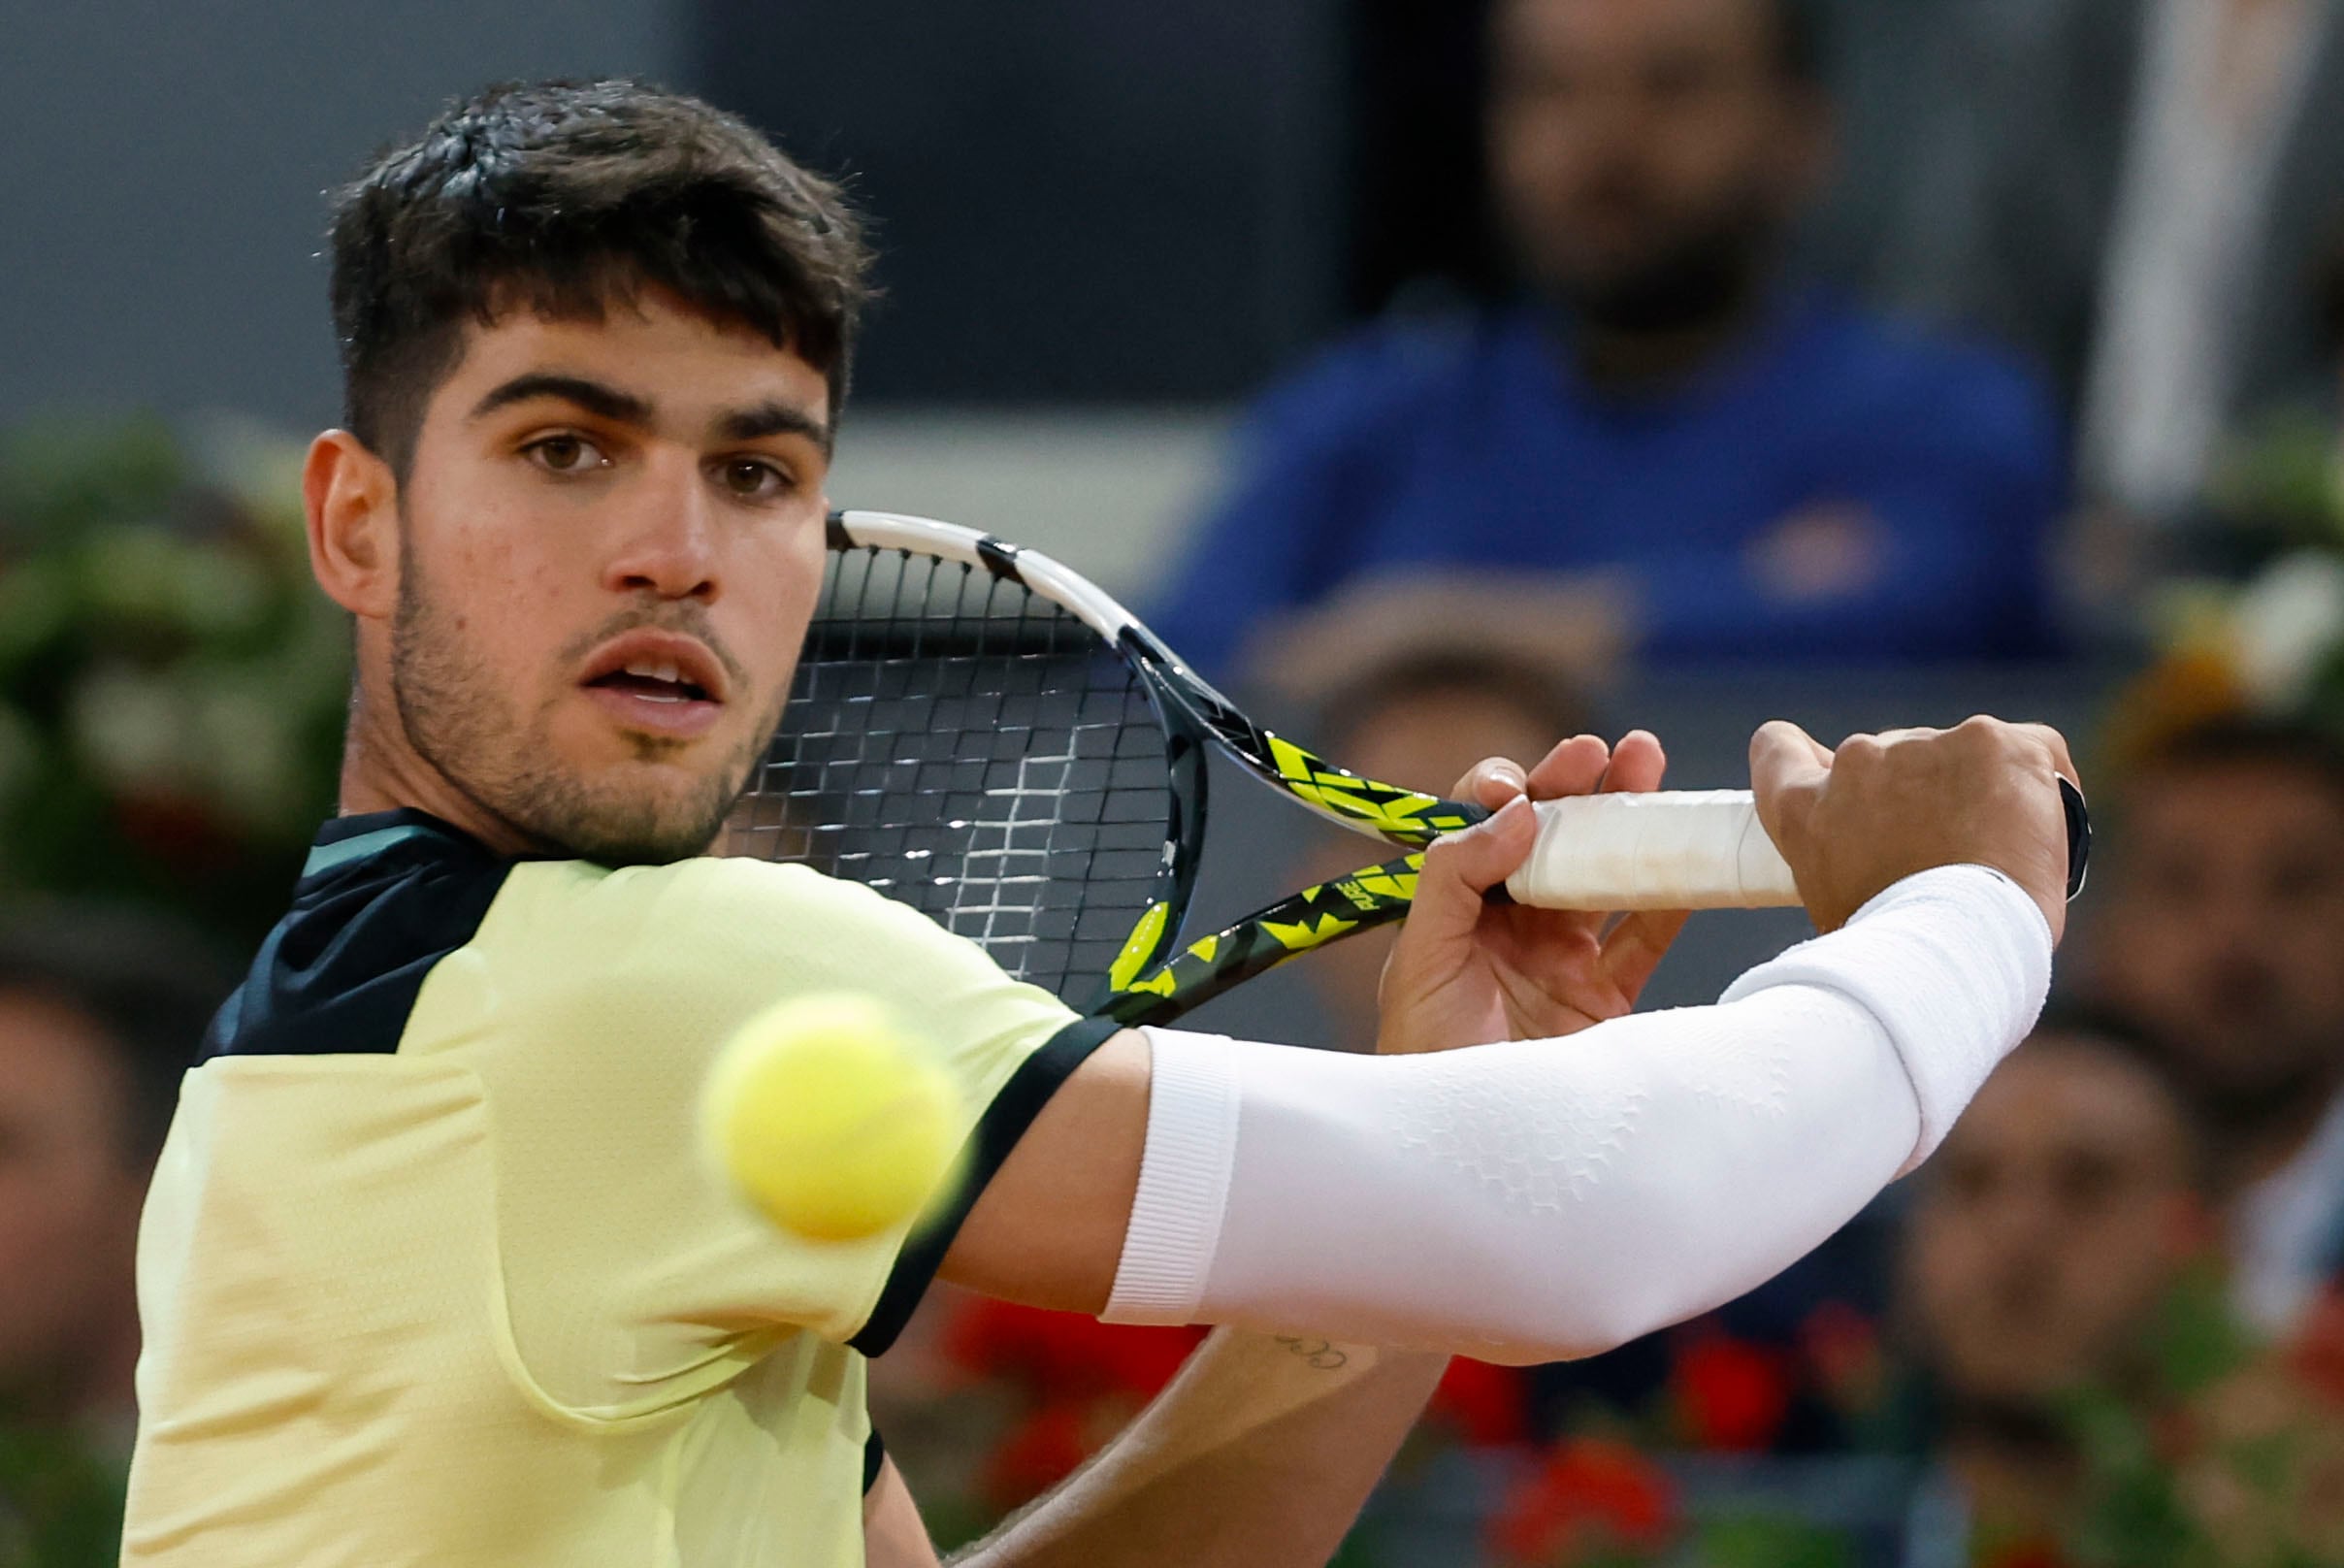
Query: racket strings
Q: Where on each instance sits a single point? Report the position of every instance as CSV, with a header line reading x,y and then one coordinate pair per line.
x,y
966,746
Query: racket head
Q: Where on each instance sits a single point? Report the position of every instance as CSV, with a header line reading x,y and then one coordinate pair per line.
x,y
987,751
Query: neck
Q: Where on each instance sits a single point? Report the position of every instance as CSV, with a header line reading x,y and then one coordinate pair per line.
x,y
382,771
1635,359
2018,1477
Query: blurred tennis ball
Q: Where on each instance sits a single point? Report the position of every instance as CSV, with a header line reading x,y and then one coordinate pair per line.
x,y
826,1113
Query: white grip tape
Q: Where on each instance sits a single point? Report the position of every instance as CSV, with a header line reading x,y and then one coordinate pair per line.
x,y
1671,849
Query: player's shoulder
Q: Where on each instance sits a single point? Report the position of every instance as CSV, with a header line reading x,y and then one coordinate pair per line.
x,y
708,911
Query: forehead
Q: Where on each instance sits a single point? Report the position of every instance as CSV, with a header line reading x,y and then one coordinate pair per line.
x,y
1444,730
2065,1096
2216,807
690,364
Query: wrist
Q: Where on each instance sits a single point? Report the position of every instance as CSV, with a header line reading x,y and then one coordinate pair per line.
x,y
1955,964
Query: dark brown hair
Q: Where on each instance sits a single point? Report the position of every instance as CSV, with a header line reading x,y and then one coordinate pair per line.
x,y
561,198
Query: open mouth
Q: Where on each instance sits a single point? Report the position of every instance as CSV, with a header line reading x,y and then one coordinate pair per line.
x,y
657,682
652,681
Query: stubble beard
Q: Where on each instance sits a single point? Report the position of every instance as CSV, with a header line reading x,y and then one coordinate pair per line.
x,y
1702,275
505,762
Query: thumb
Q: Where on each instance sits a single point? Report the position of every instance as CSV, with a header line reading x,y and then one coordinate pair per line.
x,y
1460,869
1787,769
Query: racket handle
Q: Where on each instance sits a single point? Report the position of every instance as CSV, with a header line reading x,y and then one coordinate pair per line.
x,y
1672,849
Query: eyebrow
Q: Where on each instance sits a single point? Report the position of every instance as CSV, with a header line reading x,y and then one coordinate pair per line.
x,y
754,423
772,418
595,397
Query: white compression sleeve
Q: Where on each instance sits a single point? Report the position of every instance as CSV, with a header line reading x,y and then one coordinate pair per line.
x,y
1550,1198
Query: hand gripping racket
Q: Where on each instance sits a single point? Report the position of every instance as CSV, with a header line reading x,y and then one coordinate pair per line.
x,y
979,732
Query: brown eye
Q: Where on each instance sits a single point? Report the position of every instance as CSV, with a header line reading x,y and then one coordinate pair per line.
x,y
564,454
753,480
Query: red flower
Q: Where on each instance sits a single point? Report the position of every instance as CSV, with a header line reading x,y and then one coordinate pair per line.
x,y
1730,1393
179,831
2318,1353
1592,1496
1059,1356
1041,1450
2029,1553
1842,1346
1487,1406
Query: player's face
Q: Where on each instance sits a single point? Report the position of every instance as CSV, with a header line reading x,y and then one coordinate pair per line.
x,y
611,539
2050,1224
1642,151
2222,932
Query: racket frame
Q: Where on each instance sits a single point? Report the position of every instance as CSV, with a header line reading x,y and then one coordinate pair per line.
x,y
1149,982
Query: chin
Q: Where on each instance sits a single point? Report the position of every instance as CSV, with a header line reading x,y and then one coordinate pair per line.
x,y
632,815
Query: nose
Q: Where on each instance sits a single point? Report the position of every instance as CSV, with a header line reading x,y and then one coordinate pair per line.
x,y
671,546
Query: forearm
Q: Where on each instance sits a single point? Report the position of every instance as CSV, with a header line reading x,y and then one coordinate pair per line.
x,y
1260,1452
1545,1200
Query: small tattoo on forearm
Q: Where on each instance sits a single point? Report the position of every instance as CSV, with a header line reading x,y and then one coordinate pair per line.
x,y
1318,1354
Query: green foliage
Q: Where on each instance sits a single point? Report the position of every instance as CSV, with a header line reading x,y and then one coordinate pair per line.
x,y
1772,1541
171,685
60,1507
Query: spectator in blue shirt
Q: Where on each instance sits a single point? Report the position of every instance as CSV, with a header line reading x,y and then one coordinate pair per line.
x,y
1744,467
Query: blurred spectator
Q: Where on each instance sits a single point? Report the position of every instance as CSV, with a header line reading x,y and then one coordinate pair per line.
x,y
1726,461
100,1013
2046,1235
2222,929
2134,190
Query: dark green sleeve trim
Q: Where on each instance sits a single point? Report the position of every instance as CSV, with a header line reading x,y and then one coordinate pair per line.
x,y
874,1458
997,1131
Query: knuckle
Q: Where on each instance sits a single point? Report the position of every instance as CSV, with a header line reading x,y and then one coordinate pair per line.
x,y
1858,753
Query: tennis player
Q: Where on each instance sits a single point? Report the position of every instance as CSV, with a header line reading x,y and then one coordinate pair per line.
x,y
432,1271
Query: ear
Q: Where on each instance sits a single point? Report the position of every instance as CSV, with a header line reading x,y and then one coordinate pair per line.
x,y
352,500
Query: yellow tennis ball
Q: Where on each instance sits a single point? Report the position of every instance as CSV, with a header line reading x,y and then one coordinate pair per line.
x,y
826,1115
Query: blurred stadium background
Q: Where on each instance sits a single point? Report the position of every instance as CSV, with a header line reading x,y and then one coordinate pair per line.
x,y
1105,228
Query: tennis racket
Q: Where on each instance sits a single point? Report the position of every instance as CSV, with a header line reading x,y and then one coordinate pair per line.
x,y
984,734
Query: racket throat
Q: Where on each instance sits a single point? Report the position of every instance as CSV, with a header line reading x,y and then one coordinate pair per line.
x,y
1376,896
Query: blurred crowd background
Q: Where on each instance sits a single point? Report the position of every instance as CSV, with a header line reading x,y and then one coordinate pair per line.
x,y
1442,375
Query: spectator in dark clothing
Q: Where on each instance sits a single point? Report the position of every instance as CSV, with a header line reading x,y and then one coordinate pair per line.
x,y
1748,468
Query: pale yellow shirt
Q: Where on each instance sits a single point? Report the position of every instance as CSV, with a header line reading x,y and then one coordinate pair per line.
x,y
477,1300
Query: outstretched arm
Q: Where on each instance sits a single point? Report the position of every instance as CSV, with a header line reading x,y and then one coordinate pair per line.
x,y
1552,1201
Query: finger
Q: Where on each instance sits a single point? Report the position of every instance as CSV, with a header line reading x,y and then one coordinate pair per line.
x,y
1574,766
1787,769
1781,753
1491,782
1635,947
1461,868
1637,764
